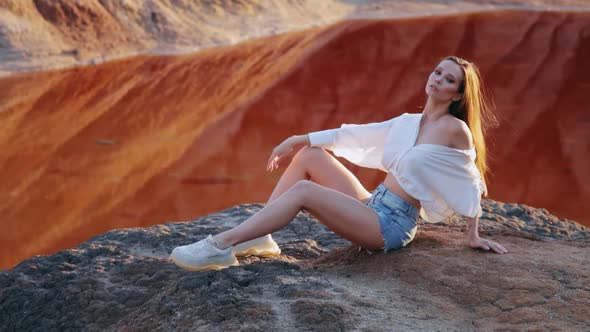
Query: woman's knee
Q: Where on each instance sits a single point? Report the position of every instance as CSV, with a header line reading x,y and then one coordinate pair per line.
x,y
302,188
307,155
305,190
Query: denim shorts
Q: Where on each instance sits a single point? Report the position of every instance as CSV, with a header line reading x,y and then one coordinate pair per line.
x,y
397,217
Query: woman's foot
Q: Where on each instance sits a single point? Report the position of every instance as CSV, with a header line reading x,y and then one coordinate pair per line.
x,y
263,246
203,256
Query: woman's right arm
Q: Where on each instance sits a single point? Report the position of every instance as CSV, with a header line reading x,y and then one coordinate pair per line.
x,y
284,149
298,140
357,137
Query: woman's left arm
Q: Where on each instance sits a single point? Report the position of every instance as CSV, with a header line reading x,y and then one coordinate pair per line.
x,y
476,242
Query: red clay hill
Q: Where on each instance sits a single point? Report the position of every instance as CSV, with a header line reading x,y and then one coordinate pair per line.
x,y
151,139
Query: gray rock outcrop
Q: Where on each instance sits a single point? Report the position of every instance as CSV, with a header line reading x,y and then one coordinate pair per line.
x,y
123,281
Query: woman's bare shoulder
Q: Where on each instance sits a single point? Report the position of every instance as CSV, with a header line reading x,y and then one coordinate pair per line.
x,y
459,133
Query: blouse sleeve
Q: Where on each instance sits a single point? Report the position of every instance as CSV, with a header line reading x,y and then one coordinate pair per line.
x,y
445,181
361,144
466,200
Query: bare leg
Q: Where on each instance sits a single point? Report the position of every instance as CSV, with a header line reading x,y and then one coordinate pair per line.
x,y
317,165
314,164
343,214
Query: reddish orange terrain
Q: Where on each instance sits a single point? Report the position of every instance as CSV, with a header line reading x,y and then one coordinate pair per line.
x,y
154,139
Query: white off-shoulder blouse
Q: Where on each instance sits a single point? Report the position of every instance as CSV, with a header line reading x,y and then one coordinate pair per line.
x,y
445,180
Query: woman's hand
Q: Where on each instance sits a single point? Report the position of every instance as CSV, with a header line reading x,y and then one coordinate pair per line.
x,y
485,244
278,153
476,242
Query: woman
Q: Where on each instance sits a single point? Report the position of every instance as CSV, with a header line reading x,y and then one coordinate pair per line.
x,y
431,166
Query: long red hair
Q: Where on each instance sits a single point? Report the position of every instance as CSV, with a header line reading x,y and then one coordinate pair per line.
x,y
476,109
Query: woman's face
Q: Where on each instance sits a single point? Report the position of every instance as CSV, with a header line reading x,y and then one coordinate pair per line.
x,y
443,82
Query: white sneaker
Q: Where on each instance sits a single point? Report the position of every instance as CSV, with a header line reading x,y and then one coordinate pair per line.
x,y
203,256
263,246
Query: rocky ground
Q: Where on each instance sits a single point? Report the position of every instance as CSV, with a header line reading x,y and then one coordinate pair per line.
x,y
123,281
